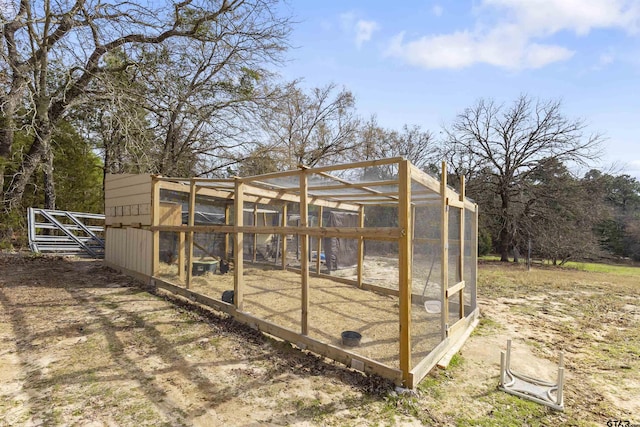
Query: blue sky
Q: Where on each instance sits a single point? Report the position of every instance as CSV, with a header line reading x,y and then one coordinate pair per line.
x,y
422,62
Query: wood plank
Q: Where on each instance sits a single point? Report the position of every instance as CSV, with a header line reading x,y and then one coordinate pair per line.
x,y
190,223
455,288
144,220
170,213
139,189
425,179
444,250
284,237
135,199
238,243
356,165
255,236
285,195
181,255
462,247
368,233
304,255
404,269
114,181
227,220
367,163
458,341
455,328
319,241
474,262
360,248
423,367
343,185
155,219
393,195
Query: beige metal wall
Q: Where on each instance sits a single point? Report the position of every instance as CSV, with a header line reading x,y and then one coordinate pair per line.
x,y
129,248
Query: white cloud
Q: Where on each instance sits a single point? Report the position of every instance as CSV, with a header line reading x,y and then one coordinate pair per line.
x,y
515,39
364,31
579,16
437,10
361,30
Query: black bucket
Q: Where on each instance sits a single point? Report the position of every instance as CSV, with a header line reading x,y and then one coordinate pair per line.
x,y
351,338
227,296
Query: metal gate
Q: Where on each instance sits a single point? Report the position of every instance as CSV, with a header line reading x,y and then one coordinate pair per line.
x,y
66,233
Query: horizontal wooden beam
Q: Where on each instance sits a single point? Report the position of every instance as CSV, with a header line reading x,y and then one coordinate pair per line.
x,y
425,179
457,327
455,288
369,233
458,341
285,195
353,185
428,362
258,195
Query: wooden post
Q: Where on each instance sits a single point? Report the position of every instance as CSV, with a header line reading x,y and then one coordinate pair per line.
x,y
255,235
304,256
444,312
319,243
191,223
238,244
404,261
284,237
181,249
474,258
155,220
227,220
462,216
360,247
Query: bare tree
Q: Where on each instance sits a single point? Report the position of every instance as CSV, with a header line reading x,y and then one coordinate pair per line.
x,y
411,142
311,129
502,145
53,53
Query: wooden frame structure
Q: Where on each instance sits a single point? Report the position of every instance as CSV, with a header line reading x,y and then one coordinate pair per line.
x,y
136,215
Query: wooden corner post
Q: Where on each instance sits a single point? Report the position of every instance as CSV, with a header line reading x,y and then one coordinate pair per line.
x,y
360,247
405,222
155,221
462,247
304,256
444,229
238,244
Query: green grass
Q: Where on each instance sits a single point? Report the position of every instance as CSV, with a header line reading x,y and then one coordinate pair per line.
x,y
509,410
622,270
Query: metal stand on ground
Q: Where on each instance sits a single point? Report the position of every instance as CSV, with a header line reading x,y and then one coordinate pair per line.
x,y
543,392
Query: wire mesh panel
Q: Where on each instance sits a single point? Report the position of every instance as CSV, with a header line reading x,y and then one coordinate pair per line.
x,y
336,307
470,259
454,263
426,330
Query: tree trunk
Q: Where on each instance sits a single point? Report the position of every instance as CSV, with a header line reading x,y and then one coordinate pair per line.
x,y
505,234
49,184
30,163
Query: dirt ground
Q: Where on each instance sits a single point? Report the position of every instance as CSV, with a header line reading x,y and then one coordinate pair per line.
x,y
84,345
274,295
